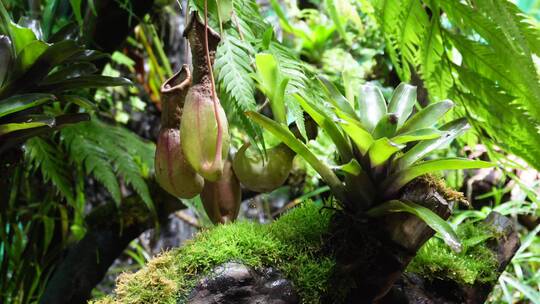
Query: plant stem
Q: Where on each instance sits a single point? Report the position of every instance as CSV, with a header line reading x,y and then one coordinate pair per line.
x,y
219,139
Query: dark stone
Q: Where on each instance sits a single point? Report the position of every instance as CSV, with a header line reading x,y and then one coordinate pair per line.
x,y
236,283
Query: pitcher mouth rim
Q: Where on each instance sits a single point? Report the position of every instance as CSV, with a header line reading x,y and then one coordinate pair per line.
x,y
184,83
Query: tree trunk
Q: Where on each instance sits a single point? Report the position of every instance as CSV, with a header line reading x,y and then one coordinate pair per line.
x,y
372,254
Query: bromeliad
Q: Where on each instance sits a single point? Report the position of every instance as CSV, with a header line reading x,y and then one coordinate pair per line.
x,y
381,146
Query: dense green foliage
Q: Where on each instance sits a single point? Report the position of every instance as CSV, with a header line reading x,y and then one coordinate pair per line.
x,y
481,54
484,55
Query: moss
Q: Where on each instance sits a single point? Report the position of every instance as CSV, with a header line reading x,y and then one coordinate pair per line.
x,y
435,182
474,264
292,244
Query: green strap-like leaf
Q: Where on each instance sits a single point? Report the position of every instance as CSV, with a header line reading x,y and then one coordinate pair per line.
x,y
90,81
336,98
22,102
381,150
301,149
427,117
34,122
402,102
29,55
70,71
396,181
386,127
359,135
420,134
429,217
352,167
272,84
452,130
329,126
371,106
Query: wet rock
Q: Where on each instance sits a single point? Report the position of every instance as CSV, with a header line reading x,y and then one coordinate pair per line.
x,y
235,283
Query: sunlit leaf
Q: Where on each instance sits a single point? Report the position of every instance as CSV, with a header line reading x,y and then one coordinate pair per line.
x,y
402,102
273,84
452,130
381,150
33,123
396,181
336,98
301,149
328,125
427,117
434,221
360,136
352,167
371,106
416,135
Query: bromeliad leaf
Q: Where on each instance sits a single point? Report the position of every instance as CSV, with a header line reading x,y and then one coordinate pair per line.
x,y
429,217
381,150
301,149
352,167
427,117
396,181
386,127
402,102
452,130
329,126
420,134
335,98
371,106
359,135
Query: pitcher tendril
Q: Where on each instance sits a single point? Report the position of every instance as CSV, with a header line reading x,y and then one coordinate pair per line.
x,y
219,142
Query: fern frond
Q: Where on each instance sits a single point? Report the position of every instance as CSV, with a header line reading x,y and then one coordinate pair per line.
x,y
233,70
518,29
404,24
433,66
111,152
49,159
250,21
496,82
92,157
497,114
485,61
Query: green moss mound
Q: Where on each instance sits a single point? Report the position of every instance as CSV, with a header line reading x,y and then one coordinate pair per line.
x,y
474,264
292,244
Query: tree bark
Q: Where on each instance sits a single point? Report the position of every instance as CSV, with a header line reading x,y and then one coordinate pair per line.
x,y
372,254
109,233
